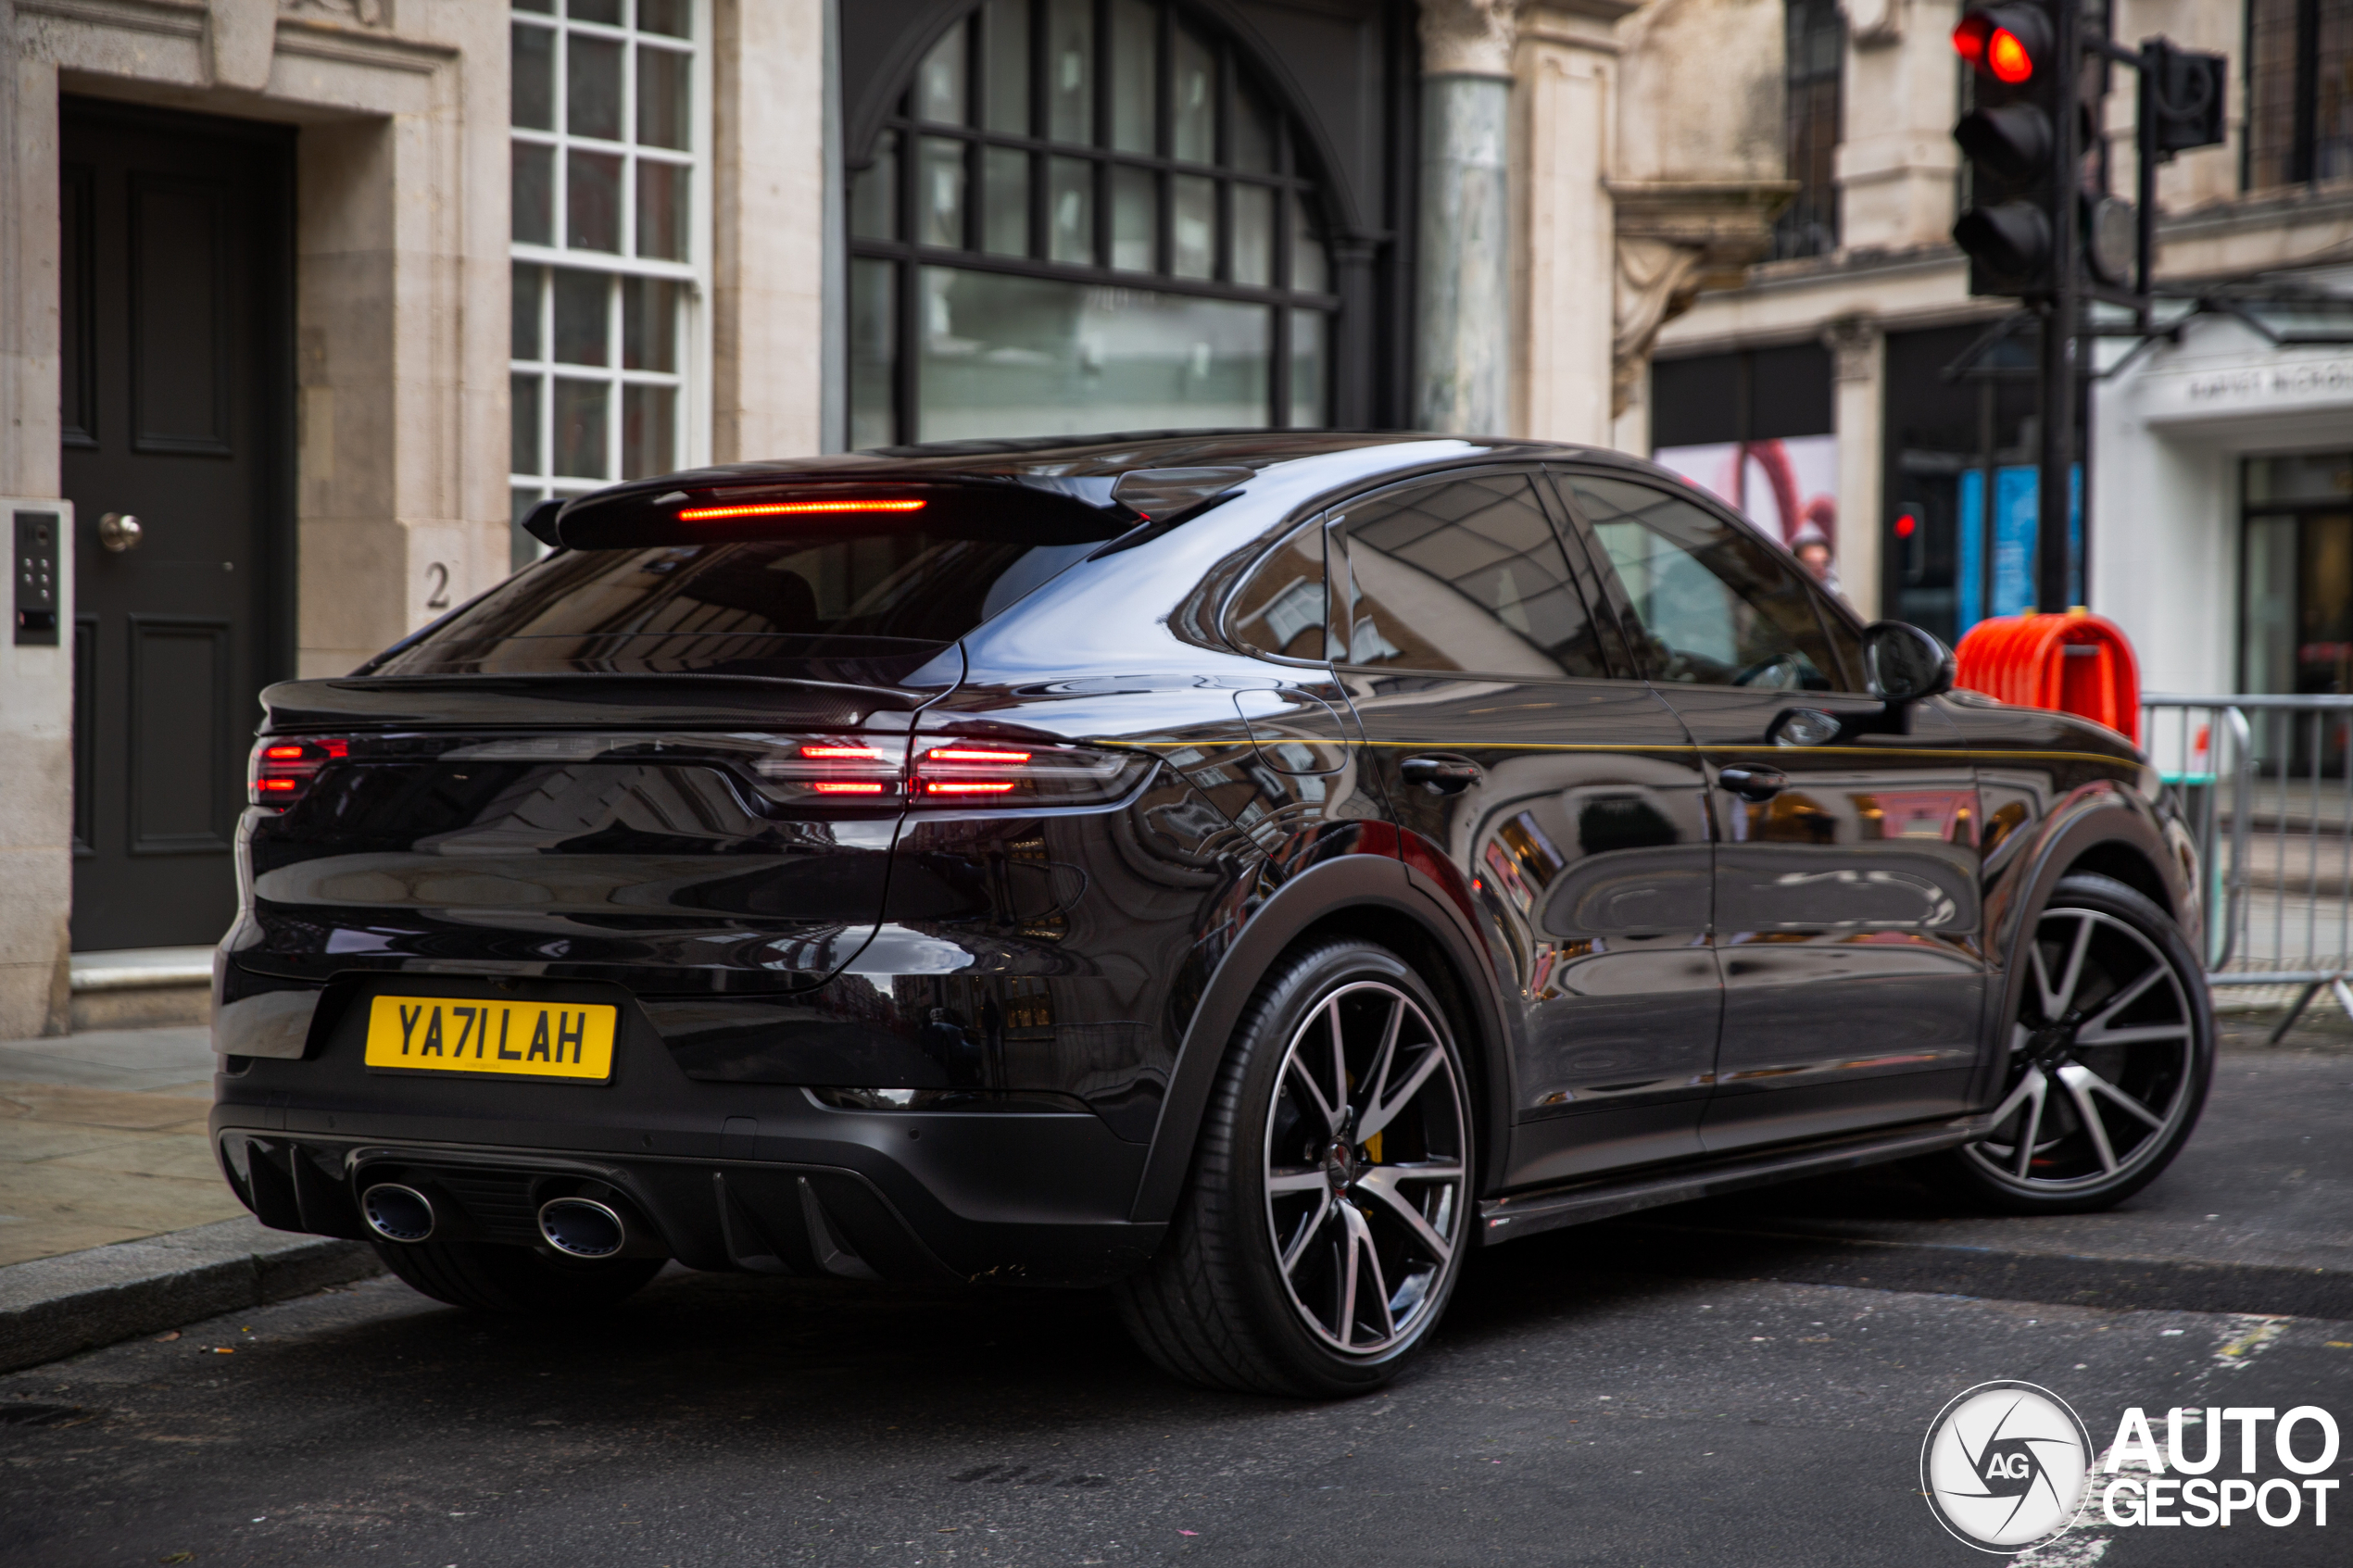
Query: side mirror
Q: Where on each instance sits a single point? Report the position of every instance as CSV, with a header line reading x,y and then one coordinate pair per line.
x,y
1902,663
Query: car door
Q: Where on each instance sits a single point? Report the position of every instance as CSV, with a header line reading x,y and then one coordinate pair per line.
x,y
1846,906
1554,794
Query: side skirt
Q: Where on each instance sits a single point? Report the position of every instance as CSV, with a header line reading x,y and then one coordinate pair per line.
x,y
1578,1203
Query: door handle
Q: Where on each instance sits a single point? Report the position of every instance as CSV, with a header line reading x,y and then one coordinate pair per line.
x,y
1440,775
118,531
1753,783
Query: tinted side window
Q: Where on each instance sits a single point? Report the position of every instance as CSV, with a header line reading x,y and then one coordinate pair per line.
x,y
1716,605
1467,574
1280,608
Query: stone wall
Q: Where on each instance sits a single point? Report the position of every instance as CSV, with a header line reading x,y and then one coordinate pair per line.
x,y
401,319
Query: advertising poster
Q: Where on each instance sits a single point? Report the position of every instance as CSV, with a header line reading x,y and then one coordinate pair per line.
x,y
2015,499
1788,487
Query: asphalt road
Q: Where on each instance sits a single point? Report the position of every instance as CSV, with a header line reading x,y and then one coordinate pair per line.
x,y
1578,1406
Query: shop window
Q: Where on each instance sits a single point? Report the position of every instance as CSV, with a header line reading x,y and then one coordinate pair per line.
x,y
2299,92
2295,575
607,117
1084,218
1813,60
1961,480
1756,429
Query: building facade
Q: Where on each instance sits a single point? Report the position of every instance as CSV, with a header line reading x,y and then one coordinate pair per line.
x,y
303,303
1850,384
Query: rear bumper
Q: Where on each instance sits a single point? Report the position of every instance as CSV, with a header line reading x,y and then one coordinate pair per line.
x,y
761,1177
985,1198
749,1216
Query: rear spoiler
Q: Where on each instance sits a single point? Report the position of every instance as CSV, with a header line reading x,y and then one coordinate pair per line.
x,y
697,509
583,701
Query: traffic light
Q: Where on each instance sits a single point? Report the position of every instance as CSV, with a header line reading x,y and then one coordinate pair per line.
x,y
2019,218
2184,102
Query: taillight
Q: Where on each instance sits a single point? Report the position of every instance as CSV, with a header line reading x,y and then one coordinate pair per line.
x,y
848,771
282,766
845,769
987,772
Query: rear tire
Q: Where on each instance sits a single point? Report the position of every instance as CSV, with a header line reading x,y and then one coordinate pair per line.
x,y
1323,1225
2108,1054
485,1278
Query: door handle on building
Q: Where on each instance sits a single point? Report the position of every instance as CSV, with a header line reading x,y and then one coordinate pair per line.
x,y
1440,775
1753,783
118,531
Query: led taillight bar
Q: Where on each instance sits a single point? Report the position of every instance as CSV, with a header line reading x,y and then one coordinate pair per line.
x,y
972,754
793,508
282,770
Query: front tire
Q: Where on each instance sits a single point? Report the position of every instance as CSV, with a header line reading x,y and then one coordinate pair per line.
x,y
2110,1049
485,1278
1323,1226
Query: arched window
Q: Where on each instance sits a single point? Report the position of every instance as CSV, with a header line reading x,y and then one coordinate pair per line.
x,y
1083,216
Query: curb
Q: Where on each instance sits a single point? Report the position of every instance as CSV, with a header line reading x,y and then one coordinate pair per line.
x,y
2112,1282
53,1307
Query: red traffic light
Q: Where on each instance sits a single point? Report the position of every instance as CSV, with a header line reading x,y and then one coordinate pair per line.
x,y
2005,42
2007,57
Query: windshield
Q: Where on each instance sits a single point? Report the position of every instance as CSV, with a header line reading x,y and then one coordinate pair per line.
x,y
866,605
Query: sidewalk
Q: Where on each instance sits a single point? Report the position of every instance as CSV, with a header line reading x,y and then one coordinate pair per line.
x,y
114,1219
102,1139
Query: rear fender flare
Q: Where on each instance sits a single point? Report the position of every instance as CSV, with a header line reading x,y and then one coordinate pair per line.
x,y
2099,814
1361,881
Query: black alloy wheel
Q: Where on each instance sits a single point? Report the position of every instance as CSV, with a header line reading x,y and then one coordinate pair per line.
x,y
2110,1049
1324,1226
484,1277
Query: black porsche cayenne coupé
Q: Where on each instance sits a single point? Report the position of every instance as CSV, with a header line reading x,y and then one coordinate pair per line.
x,y
1246,870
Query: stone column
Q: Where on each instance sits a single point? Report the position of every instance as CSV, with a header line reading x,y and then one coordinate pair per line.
x,y
772,212
1462,331
1859,360
36,683
1563,233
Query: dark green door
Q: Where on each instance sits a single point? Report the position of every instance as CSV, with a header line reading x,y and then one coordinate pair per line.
x,y
175,383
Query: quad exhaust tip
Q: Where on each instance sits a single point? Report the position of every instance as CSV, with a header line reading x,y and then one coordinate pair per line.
x,y
582,1227
396,1212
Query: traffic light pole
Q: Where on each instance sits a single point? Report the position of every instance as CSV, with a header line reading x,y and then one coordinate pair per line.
x,y
2057,458
2024,231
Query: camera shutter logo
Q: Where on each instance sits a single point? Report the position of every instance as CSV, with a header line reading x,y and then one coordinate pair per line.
x,y
2005,1466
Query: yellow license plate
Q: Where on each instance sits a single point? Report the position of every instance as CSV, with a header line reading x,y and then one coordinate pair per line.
x,y
510,1039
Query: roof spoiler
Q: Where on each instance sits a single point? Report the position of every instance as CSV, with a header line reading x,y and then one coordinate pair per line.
x,y
692,509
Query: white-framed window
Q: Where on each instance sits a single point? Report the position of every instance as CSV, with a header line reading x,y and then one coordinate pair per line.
x,y
611,217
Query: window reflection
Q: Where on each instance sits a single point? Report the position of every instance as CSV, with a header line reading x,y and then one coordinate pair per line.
x,y
1070,54
1005,356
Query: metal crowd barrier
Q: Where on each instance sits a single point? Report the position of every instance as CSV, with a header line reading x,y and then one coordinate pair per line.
x,y
2265,784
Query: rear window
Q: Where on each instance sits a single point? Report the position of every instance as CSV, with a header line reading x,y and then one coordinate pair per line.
x,y
865,604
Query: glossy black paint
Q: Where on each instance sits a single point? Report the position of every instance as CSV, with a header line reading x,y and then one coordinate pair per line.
x,y
981,1040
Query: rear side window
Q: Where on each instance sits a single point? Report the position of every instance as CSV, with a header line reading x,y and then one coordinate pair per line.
x,y
885,598
1464,575
1718,606
1281,608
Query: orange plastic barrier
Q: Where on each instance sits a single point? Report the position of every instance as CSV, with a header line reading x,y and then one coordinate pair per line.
x,y
2077,663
